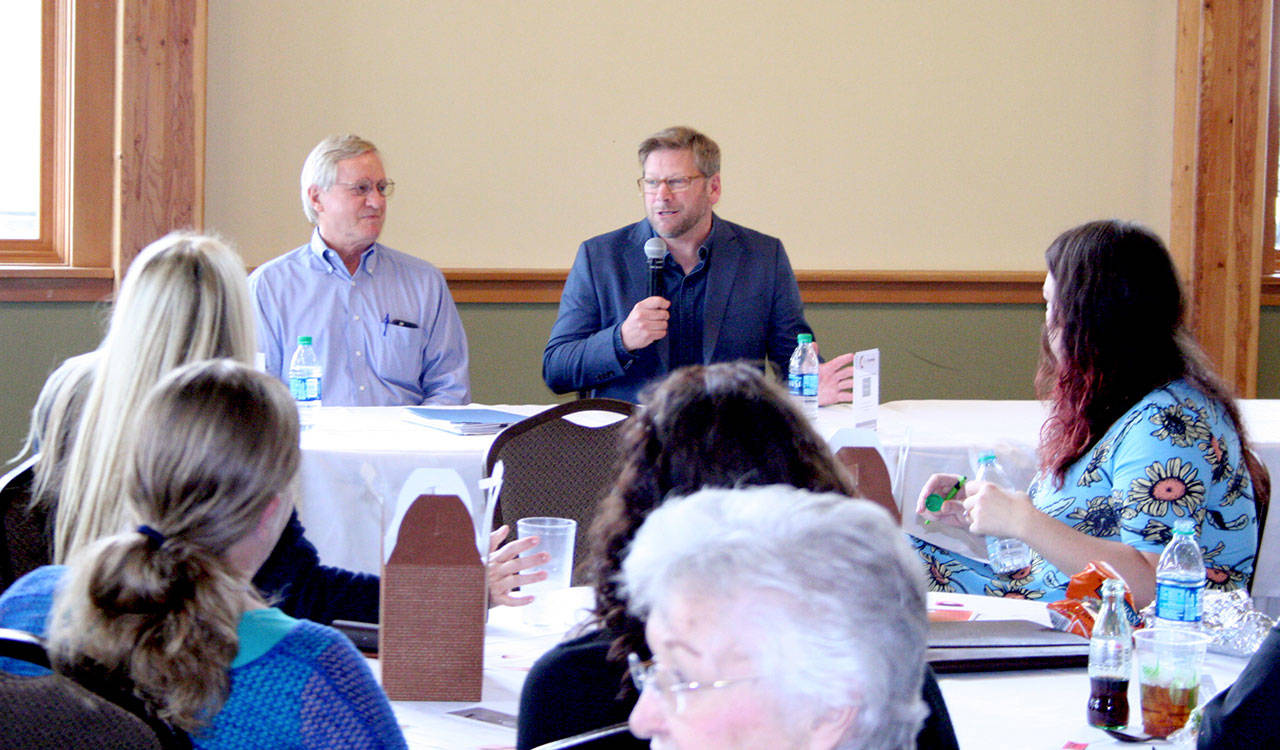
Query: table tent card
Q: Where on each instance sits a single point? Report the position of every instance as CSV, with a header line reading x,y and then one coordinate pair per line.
x,y
866,388
431,631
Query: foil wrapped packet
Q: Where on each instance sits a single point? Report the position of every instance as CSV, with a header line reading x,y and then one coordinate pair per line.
x,y
1237,628
1229,618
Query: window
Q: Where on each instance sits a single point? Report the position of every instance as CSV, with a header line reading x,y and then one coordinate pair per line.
x,y
56,198
21,39
28,41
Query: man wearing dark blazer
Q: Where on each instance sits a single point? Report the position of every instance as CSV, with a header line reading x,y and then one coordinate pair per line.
x,y
728,292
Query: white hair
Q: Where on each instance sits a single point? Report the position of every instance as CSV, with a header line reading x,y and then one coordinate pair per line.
x,y
846,623
321,167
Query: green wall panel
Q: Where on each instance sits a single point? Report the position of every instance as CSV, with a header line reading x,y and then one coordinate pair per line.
x,y
34,338
926,351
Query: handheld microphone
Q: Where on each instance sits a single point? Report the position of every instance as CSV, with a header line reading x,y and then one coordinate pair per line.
x,y
655,249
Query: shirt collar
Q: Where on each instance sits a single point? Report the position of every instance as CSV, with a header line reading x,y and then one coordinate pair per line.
x,y
332,262
717,234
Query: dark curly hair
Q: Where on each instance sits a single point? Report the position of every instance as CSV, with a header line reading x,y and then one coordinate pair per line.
x,y
721,425
1115,332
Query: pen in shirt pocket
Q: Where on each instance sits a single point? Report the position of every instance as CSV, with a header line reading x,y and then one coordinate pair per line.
x,y
388,320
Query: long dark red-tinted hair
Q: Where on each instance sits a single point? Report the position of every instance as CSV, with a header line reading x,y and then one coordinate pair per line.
x,y
1117,316
721,425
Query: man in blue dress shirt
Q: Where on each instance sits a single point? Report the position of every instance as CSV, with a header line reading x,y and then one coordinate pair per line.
x,y
728,291
383,323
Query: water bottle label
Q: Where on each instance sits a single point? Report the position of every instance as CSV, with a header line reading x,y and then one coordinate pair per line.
x,y
305,389
1178,602
808,384
794,383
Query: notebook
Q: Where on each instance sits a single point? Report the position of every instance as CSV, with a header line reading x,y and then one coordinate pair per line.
x,y
997,645
465,421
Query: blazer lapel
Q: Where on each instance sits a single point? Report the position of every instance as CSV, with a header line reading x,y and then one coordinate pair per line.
x,y
726,256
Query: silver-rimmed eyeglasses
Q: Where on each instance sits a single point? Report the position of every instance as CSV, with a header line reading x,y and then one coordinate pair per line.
x,y
671,688
674,184
385,188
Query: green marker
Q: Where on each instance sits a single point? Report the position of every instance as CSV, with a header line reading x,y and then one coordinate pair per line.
x,y
934,501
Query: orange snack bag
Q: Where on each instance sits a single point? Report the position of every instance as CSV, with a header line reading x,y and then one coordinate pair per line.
x,y
1075,617
1084,592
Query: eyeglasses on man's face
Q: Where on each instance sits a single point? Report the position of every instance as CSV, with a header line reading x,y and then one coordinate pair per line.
x,y
362,188
674,691
674,184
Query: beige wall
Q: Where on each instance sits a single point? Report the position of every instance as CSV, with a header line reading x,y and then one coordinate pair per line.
x,y
889,134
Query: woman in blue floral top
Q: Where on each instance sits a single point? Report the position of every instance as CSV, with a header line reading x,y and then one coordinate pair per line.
x,y
1140,433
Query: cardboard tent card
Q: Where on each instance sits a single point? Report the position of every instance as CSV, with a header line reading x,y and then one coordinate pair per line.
x,y
431,630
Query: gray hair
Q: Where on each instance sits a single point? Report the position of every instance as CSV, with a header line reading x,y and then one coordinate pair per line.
x,y
321,167
845,623
706,154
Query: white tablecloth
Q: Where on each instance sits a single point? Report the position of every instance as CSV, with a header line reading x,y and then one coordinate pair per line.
x,y
354,458
1022,710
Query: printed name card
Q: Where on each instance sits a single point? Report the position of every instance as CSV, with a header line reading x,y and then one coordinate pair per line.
x,y
866,388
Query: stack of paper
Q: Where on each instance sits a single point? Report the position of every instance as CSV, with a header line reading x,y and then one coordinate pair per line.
x,y
465,421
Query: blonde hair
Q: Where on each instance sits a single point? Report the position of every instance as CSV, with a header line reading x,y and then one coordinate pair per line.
x,y
706,154
54,420
214,444
184,299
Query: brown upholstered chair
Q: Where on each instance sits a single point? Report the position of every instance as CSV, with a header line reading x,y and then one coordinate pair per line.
x,y
53,712
24,543
555,467
1261,479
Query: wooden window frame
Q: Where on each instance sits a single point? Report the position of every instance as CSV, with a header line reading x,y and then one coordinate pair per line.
x,y
44,247
72,259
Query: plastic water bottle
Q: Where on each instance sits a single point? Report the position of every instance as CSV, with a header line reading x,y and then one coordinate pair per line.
x,y
1005,555
305,376
1110,660
802,375
1180,579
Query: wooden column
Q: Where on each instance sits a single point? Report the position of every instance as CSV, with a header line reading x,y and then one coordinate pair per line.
x,y
1219,179
160,114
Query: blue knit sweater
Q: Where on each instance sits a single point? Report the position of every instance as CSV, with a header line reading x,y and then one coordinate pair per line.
x,y
310,688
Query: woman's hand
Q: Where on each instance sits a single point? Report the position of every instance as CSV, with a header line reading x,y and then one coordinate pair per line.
x,y
997,511
979,507
951,512
505,566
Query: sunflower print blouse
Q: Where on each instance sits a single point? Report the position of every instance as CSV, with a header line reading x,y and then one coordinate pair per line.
x,y
1174,455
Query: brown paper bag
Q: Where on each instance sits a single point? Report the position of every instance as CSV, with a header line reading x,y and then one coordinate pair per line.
x,y
431,630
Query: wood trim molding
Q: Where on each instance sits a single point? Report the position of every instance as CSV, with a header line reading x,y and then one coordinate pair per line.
x,y
160,121
494,286
922,287
1222,96
523,286
61,288
1271,291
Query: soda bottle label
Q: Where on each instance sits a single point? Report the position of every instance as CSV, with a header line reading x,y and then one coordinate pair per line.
x,y
1179,602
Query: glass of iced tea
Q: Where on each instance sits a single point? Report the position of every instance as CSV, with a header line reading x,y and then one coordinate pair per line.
x,y
1169,676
